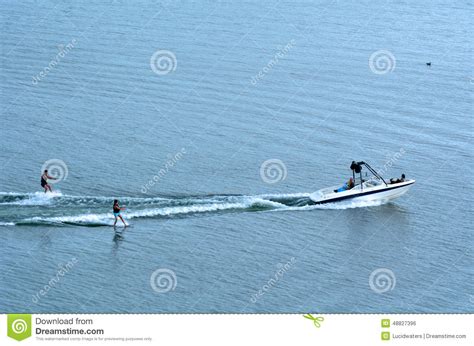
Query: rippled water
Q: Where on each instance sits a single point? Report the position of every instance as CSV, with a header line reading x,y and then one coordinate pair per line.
x,y
180,137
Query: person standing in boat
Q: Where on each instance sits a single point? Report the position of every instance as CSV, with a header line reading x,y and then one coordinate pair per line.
x,y
117,209
44,181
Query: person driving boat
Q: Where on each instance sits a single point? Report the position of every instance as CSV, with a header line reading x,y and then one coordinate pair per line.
x,y
347,186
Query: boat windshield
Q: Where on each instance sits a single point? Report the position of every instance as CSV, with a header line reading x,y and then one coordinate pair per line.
x,y
369,181
373,182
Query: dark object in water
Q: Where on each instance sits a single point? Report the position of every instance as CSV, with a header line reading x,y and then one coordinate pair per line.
x,y
428,63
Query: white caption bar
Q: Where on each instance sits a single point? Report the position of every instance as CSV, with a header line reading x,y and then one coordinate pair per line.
x,y
312,329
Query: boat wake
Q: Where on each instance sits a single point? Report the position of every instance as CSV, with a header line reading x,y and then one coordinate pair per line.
x,y
57,209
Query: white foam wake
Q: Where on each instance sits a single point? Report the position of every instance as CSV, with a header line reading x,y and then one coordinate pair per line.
x,y
108,218
162,207
36,198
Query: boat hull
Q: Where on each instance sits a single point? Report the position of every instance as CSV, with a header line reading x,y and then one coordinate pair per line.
x,y
379,193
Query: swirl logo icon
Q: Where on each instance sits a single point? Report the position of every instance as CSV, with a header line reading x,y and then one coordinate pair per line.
x,y
57,169
163,280
163,62
273,171
382,280
382,62
19,326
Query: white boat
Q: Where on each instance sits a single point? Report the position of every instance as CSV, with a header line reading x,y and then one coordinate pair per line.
x,y
370,189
